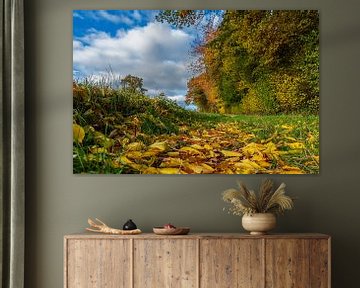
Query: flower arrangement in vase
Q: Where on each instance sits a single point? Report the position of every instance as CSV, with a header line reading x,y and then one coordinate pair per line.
x,y
258,210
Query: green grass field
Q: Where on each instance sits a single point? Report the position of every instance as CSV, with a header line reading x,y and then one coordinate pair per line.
x,y
118,132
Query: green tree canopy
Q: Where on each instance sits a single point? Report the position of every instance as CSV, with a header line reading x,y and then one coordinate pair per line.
x,y
255,61
133,83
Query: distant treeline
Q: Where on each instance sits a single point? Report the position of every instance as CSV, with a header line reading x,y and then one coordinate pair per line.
x,y
253,61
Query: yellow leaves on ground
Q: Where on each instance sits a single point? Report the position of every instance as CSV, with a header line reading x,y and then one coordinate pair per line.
x,y
125,160
230,153
102,140
169,171
287,127
290,170
296,145
134,154
224,149
190,150
247,166
253,149
158,146
206,169
171,162
271,151
78,133
193,168
97,150
173,154
135,146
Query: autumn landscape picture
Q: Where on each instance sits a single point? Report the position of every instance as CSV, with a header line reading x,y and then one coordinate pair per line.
x,y
196,92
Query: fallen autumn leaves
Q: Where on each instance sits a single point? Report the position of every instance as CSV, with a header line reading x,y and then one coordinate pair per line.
x,y
223,149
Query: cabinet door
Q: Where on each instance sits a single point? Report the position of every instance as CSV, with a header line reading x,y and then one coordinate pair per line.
x,y
98,263
287,263
320,263
165,263
231,263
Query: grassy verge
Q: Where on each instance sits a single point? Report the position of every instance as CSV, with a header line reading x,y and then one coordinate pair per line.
x,y
119,127
298,135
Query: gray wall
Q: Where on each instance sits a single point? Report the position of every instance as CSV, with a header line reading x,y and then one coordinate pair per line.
x,y
59,203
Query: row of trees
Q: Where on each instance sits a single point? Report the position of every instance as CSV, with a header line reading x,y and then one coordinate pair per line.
x,y
253,61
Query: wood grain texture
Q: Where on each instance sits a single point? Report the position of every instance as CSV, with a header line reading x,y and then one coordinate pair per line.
x,y
164,263
98,263
88,235
287,263
197,260
231,263
319,263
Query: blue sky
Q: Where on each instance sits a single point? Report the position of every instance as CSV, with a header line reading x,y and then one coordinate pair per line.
x,y
132,42
110,20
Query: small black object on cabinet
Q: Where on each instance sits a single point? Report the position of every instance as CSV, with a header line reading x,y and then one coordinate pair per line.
x,y
129,225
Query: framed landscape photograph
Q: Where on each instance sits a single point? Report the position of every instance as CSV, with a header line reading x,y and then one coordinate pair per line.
x,y
196,92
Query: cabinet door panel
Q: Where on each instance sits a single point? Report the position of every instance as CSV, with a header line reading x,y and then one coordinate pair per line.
x,y
319,263
98,263
166,263
231,263
287,263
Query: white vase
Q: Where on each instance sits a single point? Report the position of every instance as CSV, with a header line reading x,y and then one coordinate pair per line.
x,y
259,223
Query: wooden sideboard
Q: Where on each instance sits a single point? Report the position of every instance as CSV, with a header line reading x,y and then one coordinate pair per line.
x,y
197,260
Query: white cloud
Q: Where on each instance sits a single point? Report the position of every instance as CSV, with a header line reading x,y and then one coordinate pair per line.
x,y
136,15
156,53
77,44
116,19
177,98
92,35
77,15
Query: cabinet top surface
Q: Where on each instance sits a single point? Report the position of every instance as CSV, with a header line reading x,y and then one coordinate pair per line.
x,y
87,235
